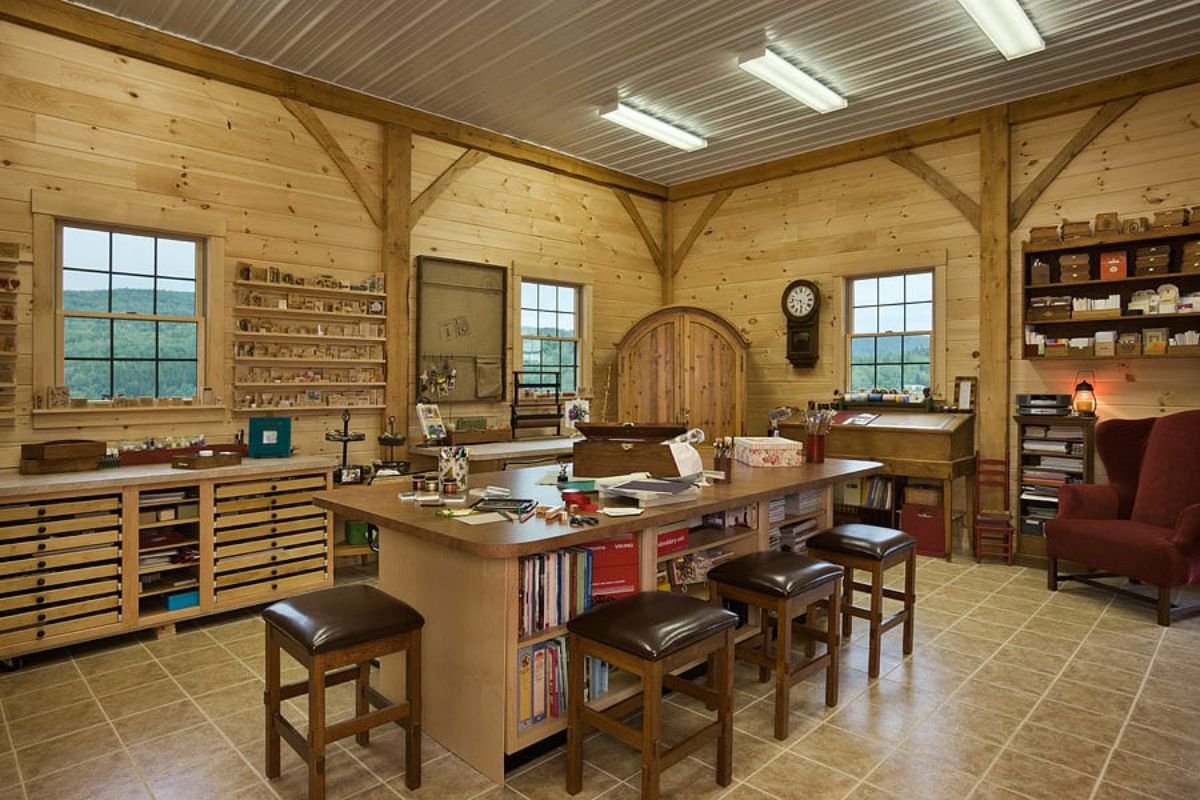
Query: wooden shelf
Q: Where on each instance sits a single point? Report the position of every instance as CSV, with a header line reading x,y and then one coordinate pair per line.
x,y
797,518
543,636
1113,239
160,587
307,289
352,550
722,537
149,501
306,337
307,409
312,384
265,311
160,547
1147,319
333,362
1058,288
166,523
166,567
1139,356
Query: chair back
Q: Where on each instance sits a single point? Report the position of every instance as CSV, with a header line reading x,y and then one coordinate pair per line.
x,y
1121,444
1168,480
991,473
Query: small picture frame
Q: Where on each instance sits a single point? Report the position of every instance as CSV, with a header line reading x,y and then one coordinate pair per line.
x,y
966,389
1108,222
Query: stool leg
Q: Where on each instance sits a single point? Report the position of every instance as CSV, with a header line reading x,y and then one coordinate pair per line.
x,y
361,706
412,741
272,700
910,600
764,621
316,729
725,712
651,730
847,604
831,644
574,716
810,617
876,620
783,668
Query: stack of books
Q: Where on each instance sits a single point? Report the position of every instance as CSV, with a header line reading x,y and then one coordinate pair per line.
x,y
879,493
1051,457
542,681
554,587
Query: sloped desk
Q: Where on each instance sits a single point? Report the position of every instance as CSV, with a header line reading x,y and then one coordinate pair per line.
x,y
464,580
911,444
490,456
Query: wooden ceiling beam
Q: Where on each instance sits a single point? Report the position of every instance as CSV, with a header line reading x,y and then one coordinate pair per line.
x,y
441,183
938,182
1107,115
685,247
639,223
135,41
316,128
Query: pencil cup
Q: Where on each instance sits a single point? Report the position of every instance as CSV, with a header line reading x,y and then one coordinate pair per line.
x,y
814,449
453,467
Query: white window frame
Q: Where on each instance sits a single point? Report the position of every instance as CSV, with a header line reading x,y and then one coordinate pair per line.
x,y
931,332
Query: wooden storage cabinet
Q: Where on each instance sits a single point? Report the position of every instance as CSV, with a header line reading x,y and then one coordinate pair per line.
x,y
60,568
269,538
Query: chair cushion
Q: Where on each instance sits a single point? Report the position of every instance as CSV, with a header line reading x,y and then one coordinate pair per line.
x,y
775,573
867,541
1169,480
652,625
1134,549
346,615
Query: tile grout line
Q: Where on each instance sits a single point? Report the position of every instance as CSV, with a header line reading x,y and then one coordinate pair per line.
x,y
12,743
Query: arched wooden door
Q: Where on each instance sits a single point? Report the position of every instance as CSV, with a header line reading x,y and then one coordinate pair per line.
x,y
684,364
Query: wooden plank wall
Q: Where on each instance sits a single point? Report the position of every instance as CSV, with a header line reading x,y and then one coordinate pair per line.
x,y
824,225
81,120
1148,160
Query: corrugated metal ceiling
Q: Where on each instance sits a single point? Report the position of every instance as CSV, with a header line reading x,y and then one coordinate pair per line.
x,y
538,69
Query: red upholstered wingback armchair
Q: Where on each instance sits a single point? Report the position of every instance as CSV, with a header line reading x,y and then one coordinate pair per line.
x,y
1145,523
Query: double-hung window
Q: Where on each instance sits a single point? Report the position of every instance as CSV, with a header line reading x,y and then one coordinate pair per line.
x,y
131,310
891,332
550,331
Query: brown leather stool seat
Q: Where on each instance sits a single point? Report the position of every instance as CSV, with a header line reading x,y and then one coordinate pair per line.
x,y
874,549
650,635
341,629
784,585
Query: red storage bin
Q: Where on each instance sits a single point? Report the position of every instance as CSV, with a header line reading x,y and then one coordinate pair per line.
x,y
928,525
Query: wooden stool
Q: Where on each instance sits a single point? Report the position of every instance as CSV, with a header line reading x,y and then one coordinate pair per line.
x,y
650,635
788,585
328,630
876,550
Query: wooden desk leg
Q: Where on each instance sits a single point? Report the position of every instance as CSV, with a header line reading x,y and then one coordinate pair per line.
x,y
948,504
651,729
273,700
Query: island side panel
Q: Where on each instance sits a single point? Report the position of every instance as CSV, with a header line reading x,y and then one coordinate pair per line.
x,y
464,644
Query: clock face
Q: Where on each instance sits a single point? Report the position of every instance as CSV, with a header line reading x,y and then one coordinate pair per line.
x,y
800,301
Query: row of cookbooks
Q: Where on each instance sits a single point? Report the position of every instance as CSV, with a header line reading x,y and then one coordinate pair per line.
x,y
554,587
542,681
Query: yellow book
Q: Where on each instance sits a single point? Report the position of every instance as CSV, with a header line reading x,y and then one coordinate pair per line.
x,y
524,687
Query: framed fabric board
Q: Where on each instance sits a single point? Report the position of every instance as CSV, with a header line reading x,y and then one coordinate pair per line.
x,y
462,310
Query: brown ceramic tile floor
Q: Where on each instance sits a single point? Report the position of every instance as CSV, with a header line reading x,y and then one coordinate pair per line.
x,y
1013,692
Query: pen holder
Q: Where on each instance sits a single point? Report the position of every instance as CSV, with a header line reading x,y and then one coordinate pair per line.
x,y
814,449
453,467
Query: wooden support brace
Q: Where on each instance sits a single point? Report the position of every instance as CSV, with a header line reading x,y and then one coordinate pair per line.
x,y
938,182
1107,115
667,266
639,223
440,184
714,205
397,265
312,123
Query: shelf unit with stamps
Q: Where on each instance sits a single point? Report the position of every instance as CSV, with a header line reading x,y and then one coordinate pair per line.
x,y
1185,275
306,342
83,556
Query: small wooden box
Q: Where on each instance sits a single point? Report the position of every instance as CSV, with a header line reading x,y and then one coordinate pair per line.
x,y
1081,352
1074,274
1076,230
1183,350
1149,269
1057,351
1157,250
1135,225
1074,260
1048,313
1039,274
63,448
1106,348
1192,266
1170,219
206,462
1044,233
615,449
1129,344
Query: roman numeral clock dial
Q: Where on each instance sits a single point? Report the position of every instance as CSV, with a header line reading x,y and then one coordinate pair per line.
x,y
801,308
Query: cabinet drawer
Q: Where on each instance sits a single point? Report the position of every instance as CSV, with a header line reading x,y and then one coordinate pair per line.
x,y
38,616
270,589
288,484
44,597
45,578
255,517
263,501
51,561
273,571
259,531
52,526
49,544
57,508
49,631
271,542
263,557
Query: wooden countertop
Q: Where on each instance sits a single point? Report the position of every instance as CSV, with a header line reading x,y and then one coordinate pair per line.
x,y
15,485
518,448
380,506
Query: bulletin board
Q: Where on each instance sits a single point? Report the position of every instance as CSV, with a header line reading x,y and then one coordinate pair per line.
x,y
461,330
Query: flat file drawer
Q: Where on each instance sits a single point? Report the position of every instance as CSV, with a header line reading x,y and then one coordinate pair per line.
x,y
46,597
49,630
254,517
263,501
269,529
270,543
271,589
291,483
263,557
58,526
53,561
57,508
273,571
50,544
45,614
56,577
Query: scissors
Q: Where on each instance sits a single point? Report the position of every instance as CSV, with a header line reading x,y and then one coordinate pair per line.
x,y
579,520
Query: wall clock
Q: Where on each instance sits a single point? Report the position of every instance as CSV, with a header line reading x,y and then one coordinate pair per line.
x,y
801,306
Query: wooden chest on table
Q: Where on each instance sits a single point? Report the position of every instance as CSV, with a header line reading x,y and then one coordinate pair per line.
x,y
615,449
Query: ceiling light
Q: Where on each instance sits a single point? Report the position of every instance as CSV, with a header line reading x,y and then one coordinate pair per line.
x,y
782,75
653,127
1007,25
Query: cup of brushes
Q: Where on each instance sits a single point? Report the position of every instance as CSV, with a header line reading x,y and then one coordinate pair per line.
x,y
817,423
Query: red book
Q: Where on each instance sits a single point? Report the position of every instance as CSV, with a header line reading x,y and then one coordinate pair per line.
x,y
670,541
615,582
614,552
1112,266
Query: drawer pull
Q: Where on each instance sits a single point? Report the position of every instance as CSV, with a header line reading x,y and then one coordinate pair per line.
x,y
274,544
274,487
274,515
41,617
274,529
274,586
41,546
41,565
41,634
41,512
274,558
41,528
41,581
274,572
274,501
39,599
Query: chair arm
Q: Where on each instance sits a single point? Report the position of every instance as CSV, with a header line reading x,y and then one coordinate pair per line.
x,y
1088,501
1187,532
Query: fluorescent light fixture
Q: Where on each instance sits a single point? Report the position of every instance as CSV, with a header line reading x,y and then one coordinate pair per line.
x,y
653,127
782,75
1007,25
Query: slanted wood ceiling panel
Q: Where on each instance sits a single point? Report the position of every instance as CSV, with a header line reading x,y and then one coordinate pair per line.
x,y
538,70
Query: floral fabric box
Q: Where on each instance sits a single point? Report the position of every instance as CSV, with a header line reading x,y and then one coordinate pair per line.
x,y
768,451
